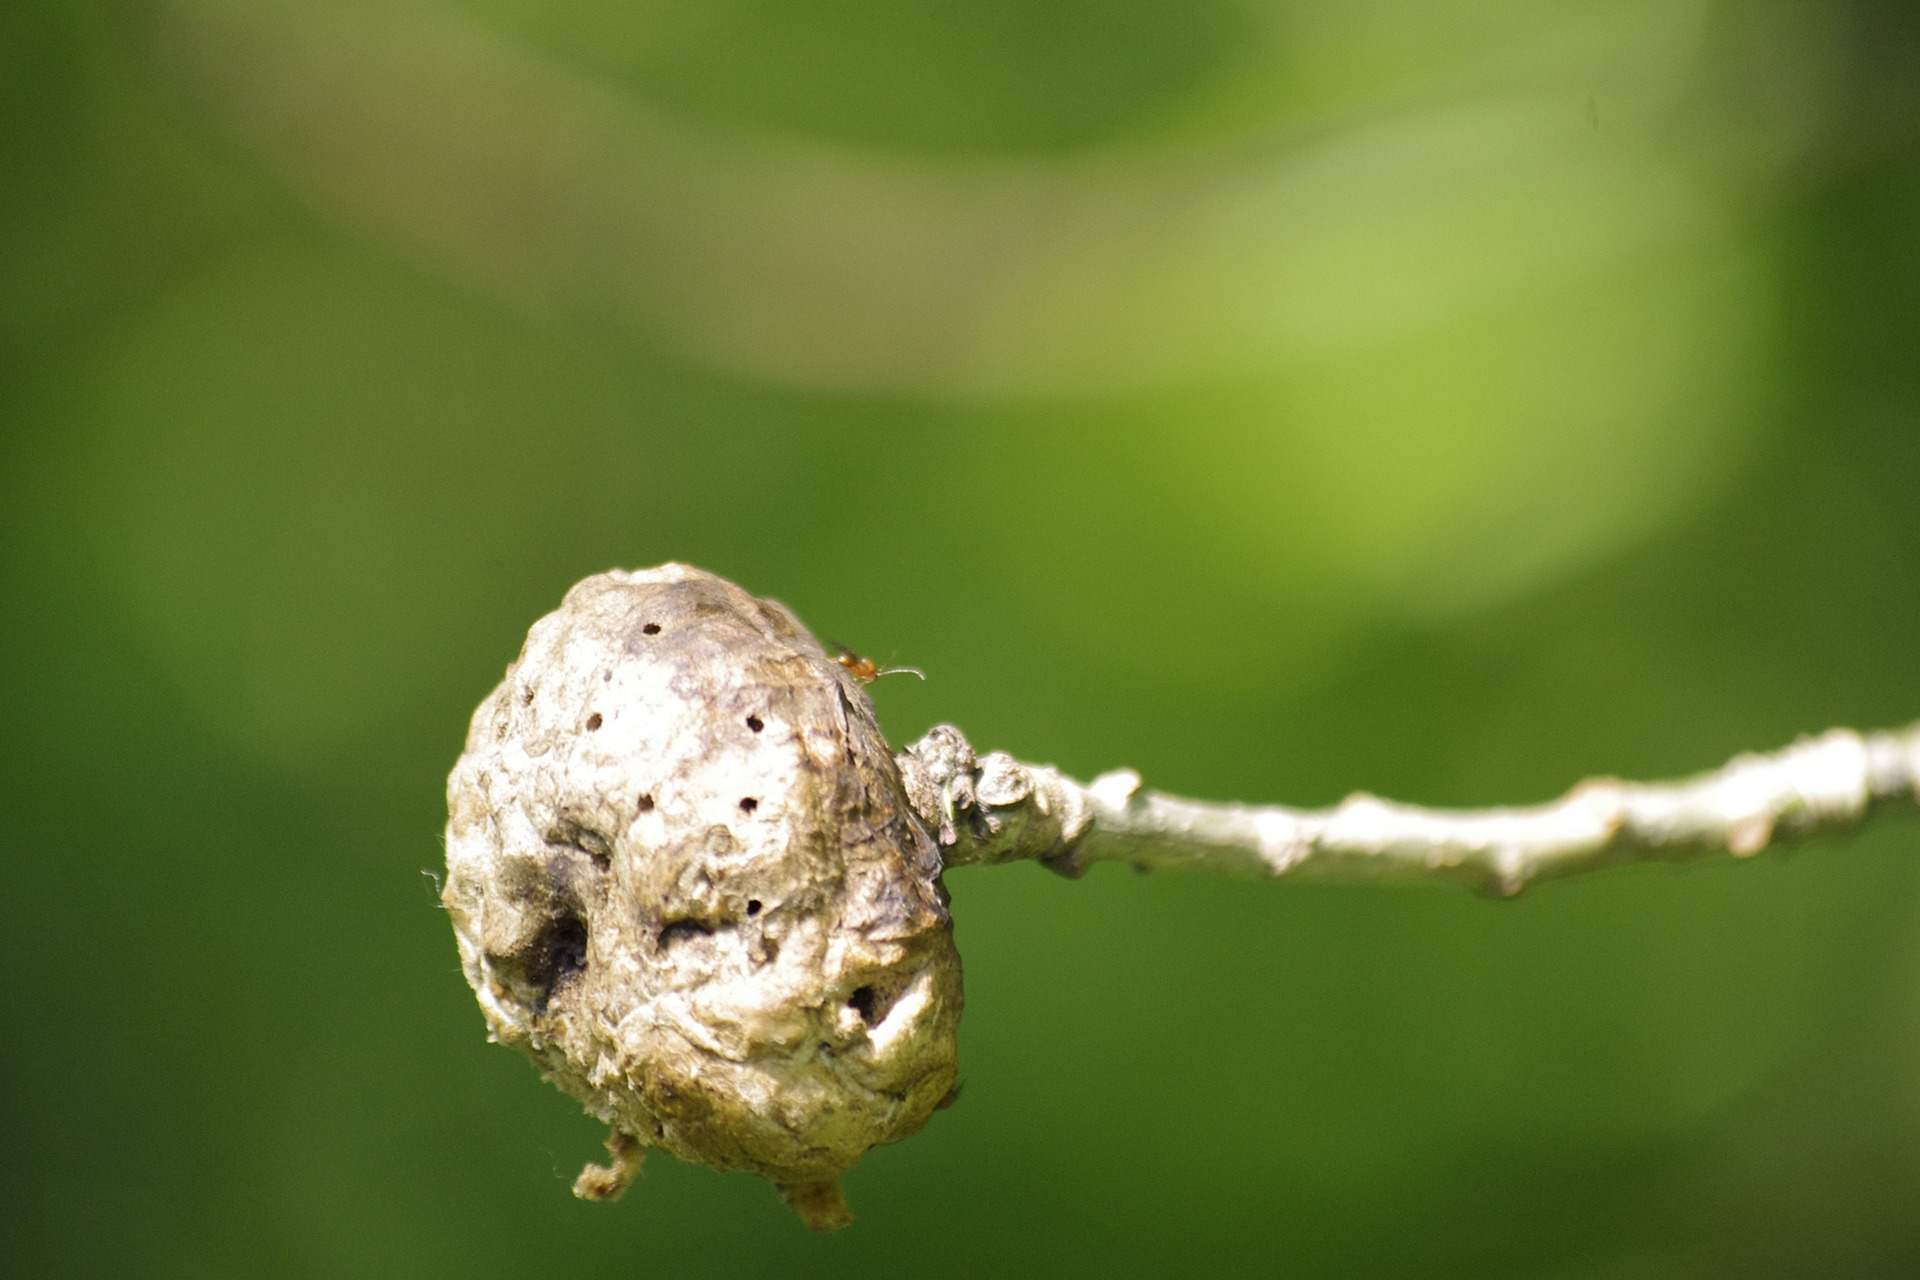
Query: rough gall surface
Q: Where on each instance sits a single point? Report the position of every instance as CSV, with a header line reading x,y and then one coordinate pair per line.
x,y
686,881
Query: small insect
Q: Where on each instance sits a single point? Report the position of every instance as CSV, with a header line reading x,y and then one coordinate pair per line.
x,y
864,669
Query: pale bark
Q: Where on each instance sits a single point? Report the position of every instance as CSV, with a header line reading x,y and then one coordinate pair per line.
x,y
994,808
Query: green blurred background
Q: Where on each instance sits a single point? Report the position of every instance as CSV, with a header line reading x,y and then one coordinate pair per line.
x,y
1445,399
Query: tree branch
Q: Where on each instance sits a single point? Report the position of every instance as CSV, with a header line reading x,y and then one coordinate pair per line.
x,y
994,808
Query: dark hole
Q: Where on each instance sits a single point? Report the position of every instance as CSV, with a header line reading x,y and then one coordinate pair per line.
x,y
748,804
567,942
680,930
864,1003
556,954
651,629
593,721
646,803
526,699
755,723
753,906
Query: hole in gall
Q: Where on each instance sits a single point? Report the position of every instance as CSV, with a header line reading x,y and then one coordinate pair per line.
x,y
646,803
748,804
543,967
651,629
865,1003
593,721
753,906
755,723
680,930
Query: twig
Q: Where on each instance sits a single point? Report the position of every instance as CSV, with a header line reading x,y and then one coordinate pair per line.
x,y
685,882
996,809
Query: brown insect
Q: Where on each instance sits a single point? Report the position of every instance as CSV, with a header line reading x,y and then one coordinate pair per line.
x,y
865,670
